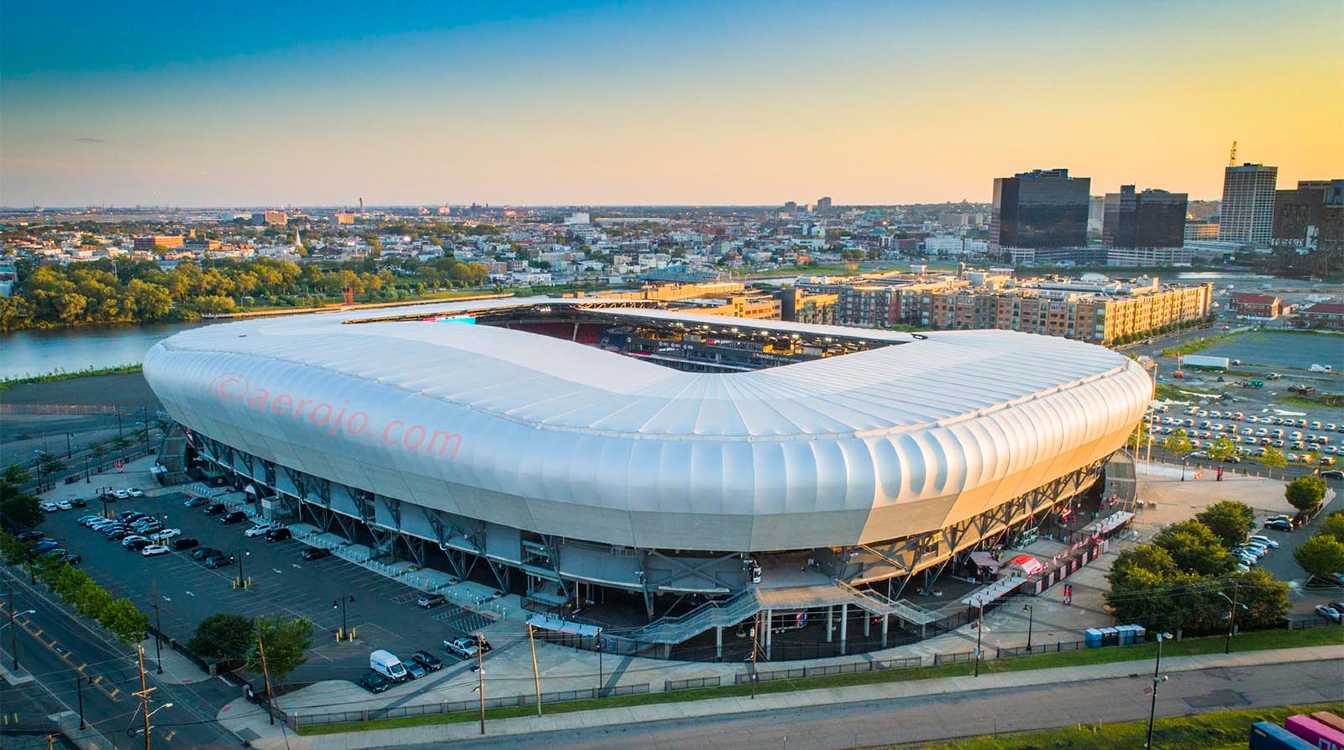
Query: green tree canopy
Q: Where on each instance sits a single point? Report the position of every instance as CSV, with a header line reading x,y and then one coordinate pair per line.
x,y
1321,556
1305,493
286,642
1195,548
1334,526
1223,449
1230,520
1178,443
1273,458
224,637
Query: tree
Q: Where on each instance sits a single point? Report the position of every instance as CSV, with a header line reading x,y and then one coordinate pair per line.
x,y
1195,548
1230,520
1333,526
18,509
1178,443
1265,598
1273,458
1321,555
1223,449
286,642
124,620
223,637
16,475
1305,493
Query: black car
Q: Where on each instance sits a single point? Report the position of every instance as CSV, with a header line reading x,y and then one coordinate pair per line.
x,y
218,561
200,553
184,542
373,682
119,534
31,535
137,544
232,517
72,558
427,660
1332,474
79,502
430,601
195,502
279,535
214,509
316,553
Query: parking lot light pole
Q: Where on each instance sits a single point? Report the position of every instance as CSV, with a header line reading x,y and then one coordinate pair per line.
x,y
480,675
979,628
158,629
344,632
79,690
242,580
1031,616
1232,605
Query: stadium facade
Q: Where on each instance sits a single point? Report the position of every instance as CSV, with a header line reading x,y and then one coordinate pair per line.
x,y
704,468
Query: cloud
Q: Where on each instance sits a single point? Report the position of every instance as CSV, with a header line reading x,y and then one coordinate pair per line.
x,y
90,140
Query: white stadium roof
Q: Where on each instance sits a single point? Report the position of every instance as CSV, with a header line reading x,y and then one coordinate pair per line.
x,y
860,447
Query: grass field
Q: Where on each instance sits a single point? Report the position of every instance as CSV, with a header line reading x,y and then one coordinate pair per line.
x,y
59,376
1216,730
1252,641
1198,345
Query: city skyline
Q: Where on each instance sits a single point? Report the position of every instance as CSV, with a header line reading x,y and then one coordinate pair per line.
x,y
634,104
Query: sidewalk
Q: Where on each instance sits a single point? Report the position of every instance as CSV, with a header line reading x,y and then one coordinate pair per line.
x,y
271,738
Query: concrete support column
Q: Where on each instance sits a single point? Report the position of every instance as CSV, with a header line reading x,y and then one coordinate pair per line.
x,y
886,620
769,636
718,642
830,622
867,624
844,625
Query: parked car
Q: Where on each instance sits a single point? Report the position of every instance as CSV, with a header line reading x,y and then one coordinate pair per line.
x,y
414,669
184,542
388,665
64,505
279,535
79,502
464,648
45,544
218,561
31,535
1332,474
214,509
135,543
120,494
200,553
1264,540
315,553
71,558
429,601
135,492
48,506
232,517
1279,525
165,535
195,502
87,521
373,682
427,660
154,550
258,529
1329,613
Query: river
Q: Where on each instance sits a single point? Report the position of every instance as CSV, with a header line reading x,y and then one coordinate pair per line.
x,y
40,352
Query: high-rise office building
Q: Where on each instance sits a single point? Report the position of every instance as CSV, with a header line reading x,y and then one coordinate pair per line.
x,y
1153,218
1039,209
1247,213
824,203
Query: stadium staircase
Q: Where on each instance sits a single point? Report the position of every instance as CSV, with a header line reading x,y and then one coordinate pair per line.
x,y
173,457
712,614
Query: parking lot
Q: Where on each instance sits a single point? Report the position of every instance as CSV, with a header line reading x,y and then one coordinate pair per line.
x,y
383,613
1298,437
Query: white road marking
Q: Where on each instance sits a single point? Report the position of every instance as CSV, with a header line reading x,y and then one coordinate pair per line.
x,y
190,594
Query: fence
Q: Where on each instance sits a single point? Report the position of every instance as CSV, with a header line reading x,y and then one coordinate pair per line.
x,y
296,718
798,673
690,683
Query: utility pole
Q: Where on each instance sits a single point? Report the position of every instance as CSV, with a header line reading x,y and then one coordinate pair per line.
x,y
266,675
143,693
536,676
158,628
480,675
755,628
1157,680
1031,617
1233,604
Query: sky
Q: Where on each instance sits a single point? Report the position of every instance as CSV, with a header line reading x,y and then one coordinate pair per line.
x,y
549,103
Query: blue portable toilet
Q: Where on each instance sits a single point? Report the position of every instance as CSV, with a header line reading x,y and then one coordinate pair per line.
x,y
1092,638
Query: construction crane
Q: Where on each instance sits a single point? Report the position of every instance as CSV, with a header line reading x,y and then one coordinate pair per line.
x,y
1232,157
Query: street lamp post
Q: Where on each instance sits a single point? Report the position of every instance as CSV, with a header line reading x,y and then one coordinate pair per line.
x,y
345,623
242,580
979,629
79,690
1031,617
599,665
1158,679
14,632
158,628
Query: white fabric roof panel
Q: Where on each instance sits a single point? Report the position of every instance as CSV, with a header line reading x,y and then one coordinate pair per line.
x,y
518,427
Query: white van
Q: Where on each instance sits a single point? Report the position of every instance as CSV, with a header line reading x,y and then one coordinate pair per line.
x,y
388,665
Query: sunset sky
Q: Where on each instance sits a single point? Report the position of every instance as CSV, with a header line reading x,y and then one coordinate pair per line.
x,y
674,102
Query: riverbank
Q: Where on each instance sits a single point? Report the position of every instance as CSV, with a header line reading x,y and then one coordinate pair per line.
x,y
56,377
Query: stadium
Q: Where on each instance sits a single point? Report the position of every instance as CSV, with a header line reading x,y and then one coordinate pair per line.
x,y
655,475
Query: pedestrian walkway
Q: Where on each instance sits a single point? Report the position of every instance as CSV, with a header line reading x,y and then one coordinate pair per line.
x,y
177,669
270,738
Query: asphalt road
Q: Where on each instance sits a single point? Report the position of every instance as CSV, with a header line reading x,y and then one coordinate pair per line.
x,y
56,648
941,717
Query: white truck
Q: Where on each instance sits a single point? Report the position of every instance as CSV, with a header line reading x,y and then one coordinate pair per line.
x,y
1200,360
1321,368
388,665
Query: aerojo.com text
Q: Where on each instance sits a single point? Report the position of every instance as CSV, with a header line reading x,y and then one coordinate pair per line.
x,y
232,388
